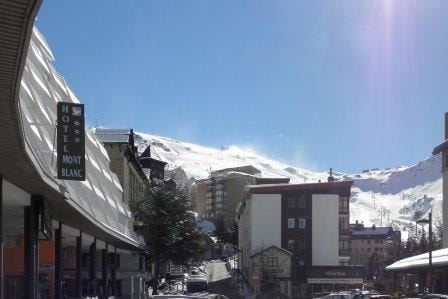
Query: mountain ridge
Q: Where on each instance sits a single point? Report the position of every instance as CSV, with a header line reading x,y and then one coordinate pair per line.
x,y
379,196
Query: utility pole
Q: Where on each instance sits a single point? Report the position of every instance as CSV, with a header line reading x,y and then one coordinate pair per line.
x,y
430,252
429,274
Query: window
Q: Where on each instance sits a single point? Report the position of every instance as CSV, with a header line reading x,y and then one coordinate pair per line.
x,y
270,261
381,248
377,249
301,202
368,249
291,244
301,222
302,244
291,223
291,202
368,241
376,241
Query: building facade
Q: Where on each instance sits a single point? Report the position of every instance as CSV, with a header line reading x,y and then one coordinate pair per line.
x,y
218,196
124,161
307,220
271,267
46,220
368,241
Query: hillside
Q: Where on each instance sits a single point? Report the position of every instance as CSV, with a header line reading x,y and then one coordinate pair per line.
x,y
379,196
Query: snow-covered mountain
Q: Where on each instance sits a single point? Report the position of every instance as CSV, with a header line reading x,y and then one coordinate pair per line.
x,y
388,196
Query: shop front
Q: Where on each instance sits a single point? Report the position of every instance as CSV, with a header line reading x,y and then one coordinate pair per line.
x,y
327,279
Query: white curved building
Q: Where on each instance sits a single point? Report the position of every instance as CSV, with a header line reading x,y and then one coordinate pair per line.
x,y
59,236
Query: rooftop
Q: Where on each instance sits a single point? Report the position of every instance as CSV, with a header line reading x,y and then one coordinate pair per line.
x,y
270,188
248,169
370,231
113,135
439,258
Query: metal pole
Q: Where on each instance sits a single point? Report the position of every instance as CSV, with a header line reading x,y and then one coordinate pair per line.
x,y
113,274
93,268
104,266
57,262
242,276
430,253
395,259
1,238
79,265
30,249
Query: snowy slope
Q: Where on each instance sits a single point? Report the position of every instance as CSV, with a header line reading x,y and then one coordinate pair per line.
x,y
389,196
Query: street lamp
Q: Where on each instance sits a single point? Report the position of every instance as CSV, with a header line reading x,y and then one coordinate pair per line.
x,y
393,240
429,222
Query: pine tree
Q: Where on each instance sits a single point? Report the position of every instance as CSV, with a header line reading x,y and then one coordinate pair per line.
x,y
423,243
169,229
437,242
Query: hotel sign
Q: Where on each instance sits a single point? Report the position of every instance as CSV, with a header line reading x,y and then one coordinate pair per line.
x,y
70,142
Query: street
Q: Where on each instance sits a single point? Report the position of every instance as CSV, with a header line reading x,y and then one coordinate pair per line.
x,y
220,281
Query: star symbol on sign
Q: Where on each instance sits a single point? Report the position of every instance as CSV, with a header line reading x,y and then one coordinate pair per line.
x,y
77,132
77,140
77,123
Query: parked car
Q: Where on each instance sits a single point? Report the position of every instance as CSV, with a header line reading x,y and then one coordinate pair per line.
x,y
342,295
435,296
197,284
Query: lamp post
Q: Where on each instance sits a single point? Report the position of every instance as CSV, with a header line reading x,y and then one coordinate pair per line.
x,y
393,240
429,222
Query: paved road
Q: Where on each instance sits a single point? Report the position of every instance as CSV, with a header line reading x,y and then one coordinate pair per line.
x,y
220,281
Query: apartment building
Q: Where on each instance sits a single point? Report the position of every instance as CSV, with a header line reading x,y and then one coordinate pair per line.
x,y
443,148
368,241
219,195
308,220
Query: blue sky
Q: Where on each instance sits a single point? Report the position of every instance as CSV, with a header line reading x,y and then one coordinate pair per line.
x,y
343,84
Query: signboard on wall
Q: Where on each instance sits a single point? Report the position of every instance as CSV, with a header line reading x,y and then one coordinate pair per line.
x,y
71,141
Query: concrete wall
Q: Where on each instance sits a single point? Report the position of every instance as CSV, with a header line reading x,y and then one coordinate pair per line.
x,y
266,220
234,186
325,229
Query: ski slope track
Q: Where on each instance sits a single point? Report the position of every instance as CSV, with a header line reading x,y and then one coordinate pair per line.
x,y
380,196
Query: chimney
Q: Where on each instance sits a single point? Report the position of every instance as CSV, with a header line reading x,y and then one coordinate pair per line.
x,y
446,125
373,227
331,178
